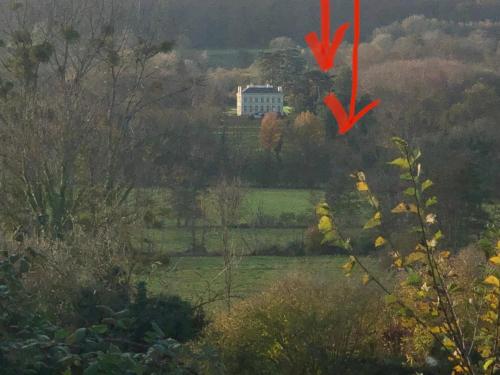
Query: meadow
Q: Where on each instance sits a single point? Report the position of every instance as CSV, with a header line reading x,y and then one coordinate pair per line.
x,y
284,215
201,279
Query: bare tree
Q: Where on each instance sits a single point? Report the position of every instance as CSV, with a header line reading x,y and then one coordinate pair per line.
x,y
76,80
227,200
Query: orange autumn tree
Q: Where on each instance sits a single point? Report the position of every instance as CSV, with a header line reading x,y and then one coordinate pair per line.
x,y
271,133
430,298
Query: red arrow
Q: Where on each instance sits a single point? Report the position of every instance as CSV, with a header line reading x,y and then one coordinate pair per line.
x,y
323,50
345,121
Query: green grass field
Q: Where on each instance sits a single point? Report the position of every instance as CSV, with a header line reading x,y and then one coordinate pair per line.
x,y
278,201
201,278
176,240
264,202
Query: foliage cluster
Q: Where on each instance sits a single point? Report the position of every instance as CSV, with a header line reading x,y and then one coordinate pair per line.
x,y
141,338
303,325
458,313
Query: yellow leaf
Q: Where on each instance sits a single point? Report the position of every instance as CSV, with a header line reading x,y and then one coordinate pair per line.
x,y
323,209
435,330
366,279
448,343
404,208
415,257
325,224
495,260
445,254
373,222
489,316
362,186
488,363
484,351
492,280
458,369
401,163
349,265
400,208
492,300
427,184
398,263
380,241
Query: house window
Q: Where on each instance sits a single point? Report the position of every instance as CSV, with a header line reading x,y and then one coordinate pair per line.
x,y
279,100
267,100
245,109
273,100
245,100
262,100
262,108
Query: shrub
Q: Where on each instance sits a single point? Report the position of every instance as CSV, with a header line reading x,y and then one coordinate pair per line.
x,y
30,343
301,326
177,318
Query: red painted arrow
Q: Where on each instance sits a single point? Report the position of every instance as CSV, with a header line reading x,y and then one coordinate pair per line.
x,y
323,50
345,121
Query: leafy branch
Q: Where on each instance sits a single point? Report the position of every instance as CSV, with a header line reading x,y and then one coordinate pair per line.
x,y
435,300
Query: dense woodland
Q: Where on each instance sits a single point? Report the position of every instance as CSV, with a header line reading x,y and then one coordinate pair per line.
x,y
239,24
119,142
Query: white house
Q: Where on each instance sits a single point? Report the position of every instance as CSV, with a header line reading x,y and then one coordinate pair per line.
x,y
258,100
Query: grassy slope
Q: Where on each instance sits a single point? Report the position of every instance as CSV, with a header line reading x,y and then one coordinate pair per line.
x,y
197,278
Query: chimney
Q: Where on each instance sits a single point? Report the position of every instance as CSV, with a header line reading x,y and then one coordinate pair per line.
x,y
239,89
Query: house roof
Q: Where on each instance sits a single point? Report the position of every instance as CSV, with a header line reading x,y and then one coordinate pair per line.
x,y
261,90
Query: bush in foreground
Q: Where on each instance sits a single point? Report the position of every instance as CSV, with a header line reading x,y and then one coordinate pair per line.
x,y
303,326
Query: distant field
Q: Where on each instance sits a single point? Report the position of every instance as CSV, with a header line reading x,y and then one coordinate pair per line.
x,y
264,202
176,240
278,201
267,201
198,278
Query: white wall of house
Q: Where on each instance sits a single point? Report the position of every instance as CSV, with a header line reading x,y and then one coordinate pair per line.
x,y
259,103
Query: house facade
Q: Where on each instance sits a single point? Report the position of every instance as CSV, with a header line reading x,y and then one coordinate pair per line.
x,y
255,100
